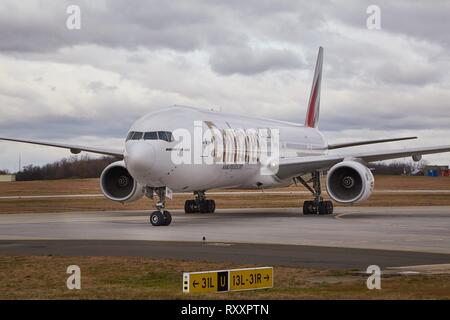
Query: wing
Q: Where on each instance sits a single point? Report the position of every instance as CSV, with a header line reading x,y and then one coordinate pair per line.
x,y
291,167
73,148
365,142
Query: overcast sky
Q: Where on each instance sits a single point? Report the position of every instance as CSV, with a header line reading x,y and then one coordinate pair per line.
x,y
255,57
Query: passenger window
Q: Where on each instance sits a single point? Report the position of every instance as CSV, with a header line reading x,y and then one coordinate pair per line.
x,y
137,136
150,136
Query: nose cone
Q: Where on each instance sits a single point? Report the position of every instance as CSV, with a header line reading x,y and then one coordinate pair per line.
x,y
139,159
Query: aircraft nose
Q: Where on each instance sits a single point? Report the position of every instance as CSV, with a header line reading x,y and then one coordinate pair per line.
x,y
139,158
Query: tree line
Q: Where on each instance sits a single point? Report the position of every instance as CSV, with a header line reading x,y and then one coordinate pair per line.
x,y
398,167
85,167
68,168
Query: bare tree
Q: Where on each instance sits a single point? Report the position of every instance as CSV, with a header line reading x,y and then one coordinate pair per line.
x,y
397,167
73,167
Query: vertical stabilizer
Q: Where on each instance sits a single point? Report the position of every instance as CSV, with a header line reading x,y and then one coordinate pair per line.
x,y
312,116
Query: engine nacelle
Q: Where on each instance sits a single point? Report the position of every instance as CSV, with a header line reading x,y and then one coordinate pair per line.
x,y
118,185
350,182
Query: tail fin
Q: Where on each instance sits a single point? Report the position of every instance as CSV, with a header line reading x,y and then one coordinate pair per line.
x,y
312,116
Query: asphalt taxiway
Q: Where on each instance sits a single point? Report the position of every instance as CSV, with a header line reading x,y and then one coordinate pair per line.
x,y
352,237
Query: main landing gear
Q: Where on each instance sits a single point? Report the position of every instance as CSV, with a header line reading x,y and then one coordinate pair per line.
x,y
199,204
318,205
160,217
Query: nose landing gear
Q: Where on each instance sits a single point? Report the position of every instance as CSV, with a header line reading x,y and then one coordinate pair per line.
x,y
200,204
160,217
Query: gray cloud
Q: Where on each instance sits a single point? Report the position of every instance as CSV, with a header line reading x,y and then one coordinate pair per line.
x,y
125,24
417,19
254,57
250,61
96,86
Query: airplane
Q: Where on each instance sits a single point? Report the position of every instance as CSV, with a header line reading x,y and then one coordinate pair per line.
x,y
147,167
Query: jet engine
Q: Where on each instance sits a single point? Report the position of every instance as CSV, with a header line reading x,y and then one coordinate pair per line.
x,y
350,182
118,185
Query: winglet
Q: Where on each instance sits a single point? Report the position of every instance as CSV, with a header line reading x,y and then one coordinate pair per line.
x,y
312,116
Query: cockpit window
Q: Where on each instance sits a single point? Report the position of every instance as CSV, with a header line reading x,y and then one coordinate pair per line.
x,y
165,135
130,134
150,136
137,136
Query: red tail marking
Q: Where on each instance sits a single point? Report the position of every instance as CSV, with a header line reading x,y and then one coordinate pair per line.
x,y
311,108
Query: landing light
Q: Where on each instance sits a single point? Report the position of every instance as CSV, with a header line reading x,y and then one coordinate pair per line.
x,y
273,164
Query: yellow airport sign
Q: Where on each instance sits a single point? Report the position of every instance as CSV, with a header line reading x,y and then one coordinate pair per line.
x,y
247,279
228,280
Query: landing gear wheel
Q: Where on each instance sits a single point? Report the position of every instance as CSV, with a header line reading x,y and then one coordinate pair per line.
x,y
207,206
325,207
167,218
330,207
189,206
204,206
309,207
317,206
157,218
212,206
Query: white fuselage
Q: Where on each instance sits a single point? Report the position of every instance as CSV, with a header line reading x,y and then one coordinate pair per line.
x,y
150,162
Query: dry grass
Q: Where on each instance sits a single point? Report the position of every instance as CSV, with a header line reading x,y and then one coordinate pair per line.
x,y
91,186
255,200
44,277
50,187
259,200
